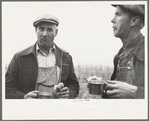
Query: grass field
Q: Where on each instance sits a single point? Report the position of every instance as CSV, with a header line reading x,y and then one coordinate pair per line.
x,y
83,72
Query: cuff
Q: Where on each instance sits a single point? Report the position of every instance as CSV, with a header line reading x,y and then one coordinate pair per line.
x,y
140,93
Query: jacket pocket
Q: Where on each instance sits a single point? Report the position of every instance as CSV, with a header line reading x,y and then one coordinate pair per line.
x,y
63,64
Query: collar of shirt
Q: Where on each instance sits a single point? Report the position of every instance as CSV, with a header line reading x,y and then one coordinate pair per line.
x,y
131,46
50,51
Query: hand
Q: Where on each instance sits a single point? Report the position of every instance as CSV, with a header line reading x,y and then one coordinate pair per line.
x,y
118,89
31,95
64,93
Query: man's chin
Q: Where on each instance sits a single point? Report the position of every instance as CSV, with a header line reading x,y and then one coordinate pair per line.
x,y
116,35
45,44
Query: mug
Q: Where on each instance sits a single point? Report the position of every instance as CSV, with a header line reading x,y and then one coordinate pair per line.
x,y
45,95
95,87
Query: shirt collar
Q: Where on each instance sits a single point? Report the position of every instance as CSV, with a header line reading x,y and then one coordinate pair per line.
x,y
131,46
50,51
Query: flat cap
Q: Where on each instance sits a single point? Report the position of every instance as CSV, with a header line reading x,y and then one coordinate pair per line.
x,y
134,8
47,18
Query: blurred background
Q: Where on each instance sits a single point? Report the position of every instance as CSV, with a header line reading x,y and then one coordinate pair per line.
x,y
85,31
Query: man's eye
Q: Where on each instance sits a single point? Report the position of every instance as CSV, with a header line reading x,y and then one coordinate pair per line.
x,y
50,30
41,28
118,14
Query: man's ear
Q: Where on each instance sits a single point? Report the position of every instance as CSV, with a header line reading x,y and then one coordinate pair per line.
x,y
56,32
134,21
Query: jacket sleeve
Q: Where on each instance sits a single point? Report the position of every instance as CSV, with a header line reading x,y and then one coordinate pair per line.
x,y
11,78
139,69
72,82
139,79
140,93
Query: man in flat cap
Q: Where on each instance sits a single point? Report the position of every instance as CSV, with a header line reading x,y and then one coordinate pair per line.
x,y
127,80
42,66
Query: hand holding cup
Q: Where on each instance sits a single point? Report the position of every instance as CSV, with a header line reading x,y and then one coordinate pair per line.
x,y
62,92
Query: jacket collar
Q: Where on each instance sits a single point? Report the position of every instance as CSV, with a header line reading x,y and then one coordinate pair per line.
x,y
32,50
139,49
29,50
136,47
131,46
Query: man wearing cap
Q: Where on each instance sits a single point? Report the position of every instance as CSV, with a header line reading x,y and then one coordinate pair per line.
x,y
42,66
127,80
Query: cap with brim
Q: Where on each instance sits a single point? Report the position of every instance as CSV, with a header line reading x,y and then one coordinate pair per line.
x,y
137,9
46,18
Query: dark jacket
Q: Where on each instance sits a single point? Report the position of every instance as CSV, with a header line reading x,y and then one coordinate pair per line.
x,y
138,64
22,73
137,76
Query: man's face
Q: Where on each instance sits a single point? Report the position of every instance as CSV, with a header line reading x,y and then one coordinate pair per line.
x,y
46,33
121,23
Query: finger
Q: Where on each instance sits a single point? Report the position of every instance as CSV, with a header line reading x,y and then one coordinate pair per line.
x,y
64,89
110,81
110,87
36,91
63,93
115,96
105,82
32,94
111,92
113,81
64,96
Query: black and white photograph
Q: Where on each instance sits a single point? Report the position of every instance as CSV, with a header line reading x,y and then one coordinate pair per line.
x,y
74,60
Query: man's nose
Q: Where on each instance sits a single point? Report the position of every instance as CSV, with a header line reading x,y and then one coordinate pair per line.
x,y
44,33
113,20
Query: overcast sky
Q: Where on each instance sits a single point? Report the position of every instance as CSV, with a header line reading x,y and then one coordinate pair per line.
x,y
85,29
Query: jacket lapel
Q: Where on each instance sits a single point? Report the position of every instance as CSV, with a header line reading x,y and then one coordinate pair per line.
x,y
115,64
31,49
59,55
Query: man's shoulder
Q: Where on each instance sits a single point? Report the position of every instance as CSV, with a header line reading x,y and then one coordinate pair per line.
x,y
139,50
63,50
65,53
26,51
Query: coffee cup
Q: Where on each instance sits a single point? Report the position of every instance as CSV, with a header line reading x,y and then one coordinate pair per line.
x,y
95,87
45,95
